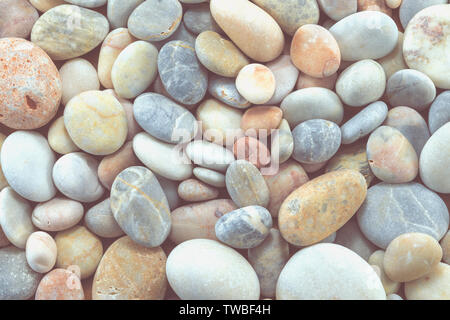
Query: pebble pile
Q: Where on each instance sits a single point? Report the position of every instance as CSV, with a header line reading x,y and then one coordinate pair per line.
x,y
224,149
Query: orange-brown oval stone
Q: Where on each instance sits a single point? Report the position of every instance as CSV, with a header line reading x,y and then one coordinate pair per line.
x,y
262,118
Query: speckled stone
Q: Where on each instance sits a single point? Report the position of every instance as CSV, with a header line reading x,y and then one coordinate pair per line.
x,y
394,61
57,214
244,228
15,217
312,103
246,185
410,88
198,19
286,75
364,122
412,207
411,256
17,18
164,119
315,52
75,175
291,14
361,83
197,220
155,20
100,220
181,73
59,139
60,284
409,8
17,280
162,158
411,124
365,35
211,177
439,113
77,75
194,267
40,251
390,286
305,81
338,10
425,47
83,28
219,55
193,190
45,5
256,83
251,28
445,245
392,157
129,271
221,124
79,248
433,286
96,122
224,90
31,85
140,206
268,259
434,169
26,162
316,141
328,272
352,157
321,206
118,11
282,143
209,155
351,237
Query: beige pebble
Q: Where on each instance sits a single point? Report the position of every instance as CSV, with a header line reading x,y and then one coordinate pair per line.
x,y
433,286
57,214
40,251
59,139
256,83
393,4
389,285
193,190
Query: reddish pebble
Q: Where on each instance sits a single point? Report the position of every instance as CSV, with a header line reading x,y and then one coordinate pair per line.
x,y
262,118
60,284
252,150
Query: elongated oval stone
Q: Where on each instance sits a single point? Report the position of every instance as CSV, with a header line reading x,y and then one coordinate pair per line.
x,y
140,206
251,28
164,119
181,73
193,190
210,177
321,206
224,90
244,228
365,35
246,185
392,157
411,208
439,113
209,155
83,28
364,122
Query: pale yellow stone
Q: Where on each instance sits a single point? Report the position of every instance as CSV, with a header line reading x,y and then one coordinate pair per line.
x,y
433,286
389,286
59,139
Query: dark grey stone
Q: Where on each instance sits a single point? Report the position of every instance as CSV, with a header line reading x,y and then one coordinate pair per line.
x,y
439,111
198,19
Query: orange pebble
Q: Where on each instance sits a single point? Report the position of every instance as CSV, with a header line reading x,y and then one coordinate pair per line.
x,y
262,118
252,150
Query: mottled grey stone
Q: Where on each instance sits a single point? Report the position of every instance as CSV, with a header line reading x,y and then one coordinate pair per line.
x,y
364,122
246,185
198,19
394,209
244,228
100,220
312,103
164,119
224,90
439,112
140,206
17,280
155,20
316,141
351,237
337,9
181,73
118,11
409,8
268,259
365,35
410,88
88,3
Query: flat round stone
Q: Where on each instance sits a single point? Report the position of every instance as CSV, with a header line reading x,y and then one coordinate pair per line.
x,y
58,214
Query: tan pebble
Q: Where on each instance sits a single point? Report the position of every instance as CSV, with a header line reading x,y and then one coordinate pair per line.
x,y
256,83
389,286
252,150
306,81
60,284
57,214
445,245
59,139
40,251
79,247
433,286
193,190
374,5
410,256
262,118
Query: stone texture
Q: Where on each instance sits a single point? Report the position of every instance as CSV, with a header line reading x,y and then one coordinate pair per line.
x,y
209,155
282,143
58,214
17,18
439,113
59,139
253,151
286,75
433,286
262,119
100,220
305,81
224,90
198,19
338,10
351,237
390,286
45,5
445,245
256,83
193,190
210,177
409,8
40,251
60,284
394,61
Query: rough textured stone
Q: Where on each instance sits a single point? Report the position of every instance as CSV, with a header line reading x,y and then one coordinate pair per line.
x,y
100,220
57,214
224,90
411,207
60,284
439,113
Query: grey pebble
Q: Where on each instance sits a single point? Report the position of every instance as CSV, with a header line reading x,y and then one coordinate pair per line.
x,y
140,206
410,88
164,119
198,19
409,8
439,112
316,141
364,122
181,73
17,280
394,209
224,90
118,11
244,228
100,220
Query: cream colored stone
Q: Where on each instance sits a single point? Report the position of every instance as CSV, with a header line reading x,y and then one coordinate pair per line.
x,y
41,252
59,139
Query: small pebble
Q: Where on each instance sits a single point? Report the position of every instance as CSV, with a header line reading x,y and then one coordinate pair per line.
x,y
224,90
193,190
262,119
390,286
253,151
59,139
41,252
57,214
100,220
256,83
60,284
